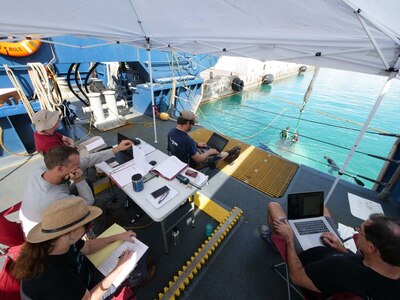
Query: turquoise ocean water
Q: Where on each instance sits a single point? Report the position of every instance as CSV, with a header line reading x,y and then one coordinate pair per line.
x,y
329,124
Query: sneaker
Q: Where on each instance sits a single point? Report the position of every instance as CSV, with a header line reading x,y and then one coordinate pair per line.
x,y
232,154
266,235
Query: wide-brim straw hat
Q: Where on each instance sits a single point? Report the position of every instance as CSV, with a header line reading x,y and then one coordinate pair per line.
x,y
61,217
45,119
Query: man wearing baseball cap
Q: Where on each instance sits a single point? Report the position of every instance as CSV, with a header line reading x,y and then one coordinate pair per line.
x,y
46,137
186,149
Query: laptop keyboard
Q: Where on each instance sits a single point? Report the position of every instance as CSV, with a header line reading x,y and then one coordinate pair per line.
x,y
310,227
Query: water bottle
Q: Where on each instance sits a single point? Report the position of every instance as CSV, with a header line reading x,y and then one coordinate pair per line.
x,y
209,230
175,236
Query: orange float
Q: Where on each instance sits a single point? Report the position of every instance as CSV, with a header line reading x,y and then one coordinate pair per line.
x,y
19,49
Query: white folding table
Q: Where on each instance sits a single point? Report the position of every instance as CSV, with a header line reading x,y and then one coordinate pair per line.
x,y
160,214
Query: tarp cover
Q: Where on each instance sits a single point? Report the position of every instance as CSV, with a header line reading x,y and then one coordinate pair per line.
x,y
326,33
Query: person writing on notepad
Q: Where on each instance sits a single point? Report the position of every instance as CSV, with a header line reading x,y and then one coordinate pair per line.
x,y
187,150
52,262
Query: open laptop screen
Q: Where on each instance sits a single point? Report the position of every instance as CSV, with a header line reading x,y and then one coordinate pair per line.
x,y
305,205
128,152
217,142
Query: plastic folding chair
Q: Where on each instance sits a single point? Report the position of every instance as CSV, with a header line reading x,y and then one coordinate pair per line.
x,y
280,244
9,286
11,235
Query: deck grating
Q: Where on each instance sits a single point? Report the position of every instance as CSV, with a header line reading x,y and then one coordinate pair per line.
x,y
258,168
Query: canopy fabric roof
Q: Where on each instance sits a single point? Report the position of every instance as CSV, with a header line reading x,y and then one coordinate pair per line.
x,y
325,33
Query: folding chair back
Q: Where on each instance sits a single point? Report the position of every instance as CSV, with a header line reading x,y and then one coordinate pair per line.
x,y
9,286
11,233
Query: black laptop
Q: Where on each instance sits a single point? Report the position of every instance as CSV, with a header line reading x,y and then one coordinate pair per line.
x,y
217,142
305,205
128,153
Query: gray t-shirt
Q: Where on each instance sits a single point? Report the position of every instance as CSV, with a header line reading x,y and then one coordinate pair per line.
x,y
39,193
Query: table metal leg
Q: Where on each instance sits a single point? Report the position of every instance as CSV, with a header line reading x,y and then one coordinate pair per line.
x,y
193,211
164,234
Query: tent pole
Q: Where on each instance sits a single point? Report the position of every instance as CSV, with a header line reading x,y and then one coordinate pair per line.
x,y
152,91
361,134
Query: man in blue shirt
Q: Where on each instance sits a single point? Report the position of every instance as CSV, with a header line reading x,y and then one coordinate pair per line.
x,y
186,149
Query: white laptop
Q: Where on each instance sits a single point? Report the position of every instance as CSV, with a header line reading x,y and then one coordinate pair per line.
x,y
305,216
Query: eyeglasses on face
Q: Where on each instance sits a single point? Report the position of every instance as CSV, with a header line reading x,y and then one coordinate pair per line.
x,y
358,229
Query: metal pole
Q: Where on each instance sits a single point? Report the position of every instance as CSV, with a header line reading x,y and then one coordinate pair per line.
x,y
385,193
151,89
361,134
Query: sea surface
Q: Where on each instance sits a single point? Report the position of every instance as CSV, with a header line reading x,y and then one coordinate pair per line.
x,y
328,126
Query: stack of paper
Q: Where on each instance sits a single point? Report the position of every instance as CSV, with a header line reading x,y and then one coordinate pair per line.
x,y
96,144
346,233
122,174
170,167
107,258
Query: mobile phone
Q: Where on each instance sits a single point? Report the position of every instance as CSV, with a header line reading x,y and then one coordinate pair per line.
x,y
160,191
191,173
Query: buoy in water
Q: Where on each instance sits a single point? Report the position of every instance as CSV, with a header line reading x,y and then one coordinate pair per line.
x,y
267,79
164,116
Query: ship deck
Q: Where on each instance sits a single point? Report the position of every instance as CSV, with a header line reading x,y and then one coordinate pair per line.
x,y
240,268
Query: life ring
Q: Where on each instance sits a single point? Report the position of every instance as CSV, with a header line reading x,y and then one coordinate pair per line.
x,y
19,49
237,84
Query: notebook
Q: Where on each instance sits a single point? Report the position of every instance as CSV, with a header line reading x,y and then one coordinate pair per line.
x,y
217,142
305,216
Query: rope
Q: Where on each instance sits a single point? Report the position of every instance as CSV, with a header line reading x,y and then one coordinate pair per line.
x,y
327,114
41,84
9,151
17,86
260,123
317,122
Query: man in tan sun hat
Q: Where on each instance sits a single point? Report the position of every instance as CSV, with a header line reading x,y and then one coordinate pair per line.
x,y
186,149
52,263
46,137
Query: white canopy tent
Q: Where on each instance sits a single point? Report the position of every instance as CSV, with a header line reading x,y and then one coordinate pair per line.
x,y
355,35
325,33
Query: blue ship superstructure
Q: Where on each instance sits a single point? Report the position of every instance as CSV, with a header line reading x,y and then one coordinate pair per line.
x,y
176,81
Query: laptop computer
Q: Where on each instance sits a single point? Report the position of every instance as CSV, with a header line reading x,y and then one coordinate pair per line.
x,y
128,153
217,142
305,216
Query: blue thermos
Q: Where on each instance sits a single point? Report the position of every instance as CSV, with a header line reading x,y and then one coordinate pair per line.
x,y
137,182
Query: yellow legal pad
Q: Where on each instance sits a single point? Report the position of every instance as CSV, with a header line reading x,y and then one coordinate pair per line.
x,y
100,256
